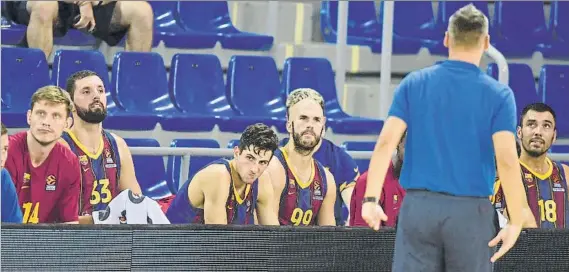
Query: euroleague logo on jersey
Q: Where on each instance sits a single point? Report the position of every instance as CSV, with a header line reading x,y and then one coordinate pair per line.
x,y
50,183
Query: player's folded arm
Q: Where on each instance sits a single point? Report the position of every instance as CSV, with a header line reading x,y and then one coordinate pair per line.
x,y
265,211
326,213
214,182
69,203
127,179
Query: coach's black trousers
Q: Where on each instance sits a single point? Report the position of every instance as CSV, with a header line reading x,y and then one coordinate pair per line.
x,y
439,232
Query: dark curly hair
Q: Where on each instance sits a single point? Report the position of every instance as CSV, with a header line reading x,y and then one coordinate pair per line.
x,y
261,137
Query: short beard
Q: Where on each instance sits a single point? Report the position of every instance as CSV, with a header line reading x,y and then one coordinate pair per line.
x,y
92,117
301,148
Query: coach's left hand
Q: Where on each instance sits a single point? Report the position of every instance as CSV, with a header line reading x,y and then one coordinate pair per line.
x,y
373,214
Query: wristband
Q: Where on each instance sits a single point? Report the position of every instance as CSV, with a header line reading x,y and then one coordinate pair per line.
x,y
370,199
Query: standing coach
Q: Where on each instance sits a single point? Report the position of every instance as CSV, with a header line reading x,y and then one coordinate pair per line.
x,y
457,118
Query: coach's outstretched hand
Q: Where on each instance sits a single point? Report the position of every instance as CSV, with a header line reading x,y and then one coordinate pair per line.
x,y
373,214
508,235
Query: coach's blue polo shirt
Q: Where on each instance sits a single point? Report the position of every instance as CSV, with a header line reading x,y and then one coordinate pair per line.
x,y
452,109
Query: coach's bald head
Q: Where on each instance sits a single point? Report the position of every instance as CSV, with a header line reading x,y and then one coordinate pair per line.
x,y
467,31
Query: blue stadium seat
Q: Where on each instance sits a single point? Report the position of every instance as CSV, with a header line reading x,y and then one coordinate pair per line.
x,y
363,164
196,162
233,143
253,89
197,89
444,11
317,73
24,72
67,62
554,87
509,18
413,26
167,29
149,170
521,81
559,29
12,34
213,17
363,27
140,89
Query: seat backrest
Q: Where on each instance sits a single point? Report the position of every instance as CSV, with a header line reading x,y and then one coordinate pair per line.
x,y
253,86
150,171
448,8
511,16
314,73
139,82
362,18
67,62
196,84
522,82
410,17
165,14
25,70
363,164
559,19
196,162
554,87
209,16
233,143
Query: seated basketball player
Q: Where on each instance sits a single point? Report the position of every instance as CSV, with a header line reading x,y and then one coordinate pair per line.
x,y
304,190
230,191
546,182
345,172
392,194
46,173
106,163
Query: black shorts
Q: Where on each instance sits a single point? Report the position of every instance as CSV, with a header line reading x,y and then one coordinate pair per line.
x,y
112,35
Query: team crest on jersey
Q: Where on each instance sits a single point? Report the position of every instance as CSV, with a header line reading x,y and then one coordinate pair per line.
x,y
248,205
395,199
83,160
50,183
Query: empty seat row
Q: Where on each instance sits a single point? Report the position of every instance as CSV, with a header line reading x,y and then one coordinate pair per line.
x,y
183,24
194,98
415,26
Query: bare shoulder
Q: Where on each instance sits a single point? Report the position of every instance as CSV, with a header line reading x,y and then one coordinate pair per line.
x,y
213,176
264,181
120,141
329,177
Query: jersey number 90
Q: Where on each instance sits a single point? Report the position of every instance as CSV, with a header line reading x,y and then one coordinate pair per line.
x,y
299,217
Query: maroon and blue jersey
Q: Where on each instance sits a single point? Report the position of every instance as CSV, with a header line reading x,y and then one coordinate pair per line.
x,y
239,211
100,172
300,201
546,195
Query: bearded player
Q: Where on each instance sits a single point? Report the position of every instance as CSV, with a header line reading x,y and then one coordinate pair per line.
x,y
231,191
46,174
106,162
304,189
546,182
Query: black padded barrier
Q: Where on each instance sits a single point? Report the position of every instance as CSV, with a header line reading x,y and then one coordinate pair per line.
x,y
236,248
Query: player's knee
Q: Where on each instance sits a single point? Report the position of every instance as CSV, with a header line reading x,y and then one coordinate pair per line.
x,y
138,13
43,12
